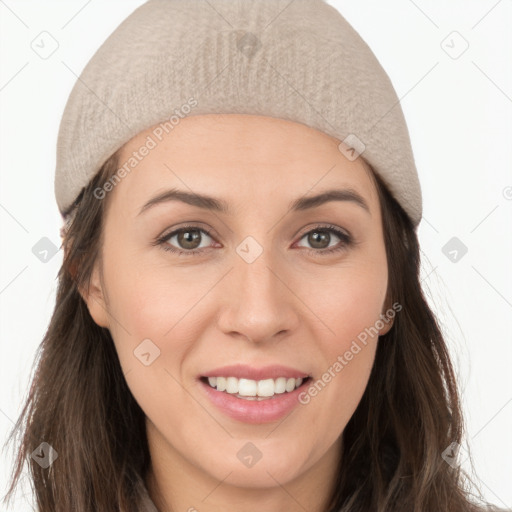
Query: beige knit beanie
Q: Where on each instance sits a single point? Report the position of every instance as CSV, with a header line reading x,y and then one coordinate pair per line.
x,y
297,60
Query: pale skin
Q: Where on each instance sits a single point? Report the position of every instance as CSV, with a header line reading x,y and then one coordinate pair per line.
x,y
292,305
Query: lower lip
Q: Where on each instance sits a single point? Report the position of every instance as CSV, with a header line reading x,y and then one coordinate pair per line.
x,y
254,411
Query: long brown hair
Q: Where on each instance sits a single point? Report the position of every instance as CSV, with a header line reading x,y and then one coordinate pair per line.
x,y
79,402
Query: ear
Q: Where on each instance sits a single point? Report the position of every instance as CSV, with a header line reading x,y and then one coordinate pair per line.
x,y
73,267
94,297
388,323
387,319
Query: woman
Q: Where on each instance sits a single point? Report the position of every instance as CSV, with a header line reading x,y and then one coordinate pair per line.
x,y
239,321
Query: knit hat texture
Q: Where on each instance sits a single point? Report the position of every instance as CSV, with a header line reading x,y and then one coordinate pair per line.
x,y
296,60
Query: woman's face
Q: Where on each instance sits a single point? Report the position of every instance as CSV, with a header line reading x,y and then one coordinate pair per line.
x,y
263,291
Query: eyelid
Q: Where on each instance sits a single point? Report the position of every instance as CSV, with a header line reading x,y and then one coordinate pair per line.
x,y
162,240
322,226
175,230
345,237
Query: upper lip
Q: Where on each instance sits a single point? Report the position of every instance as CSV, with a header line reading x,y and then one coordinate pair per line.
x,y
243,371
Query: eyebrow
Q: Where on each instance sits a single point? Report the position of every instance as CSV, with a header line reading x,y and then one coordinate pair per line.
x,y
218,205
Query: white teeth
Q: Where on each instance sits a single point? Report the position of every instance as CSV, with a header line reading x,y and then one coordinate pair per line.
x,y
280,385
232,385
266,387
252,388
221,384
247,387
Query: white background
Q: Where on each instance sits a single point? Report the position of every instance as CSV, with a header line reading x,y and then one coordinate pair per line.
x,y
459,113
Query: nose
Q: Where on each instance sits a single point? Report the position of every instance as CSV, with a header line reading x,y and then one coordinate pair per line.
x,y
260,306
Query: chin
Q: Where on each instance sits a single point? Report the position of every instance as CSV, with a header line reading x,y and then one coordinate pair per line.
x,y
259,464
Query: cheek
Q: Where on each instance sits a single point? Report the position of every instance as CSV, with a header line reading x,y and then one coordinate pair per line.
x,y
152,300
153,335
350,304
350,307
157,312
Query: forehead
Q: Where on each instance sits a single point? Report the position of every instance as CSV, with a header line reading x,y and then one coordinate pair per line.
x,y
239,157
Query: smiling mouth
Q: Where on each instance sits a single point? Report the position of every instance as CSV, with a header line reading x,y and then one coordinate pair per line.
x,y
249,389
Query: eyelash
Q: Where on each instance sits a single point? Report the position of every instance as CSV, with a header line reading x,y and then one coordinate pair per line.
x,y
346,240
